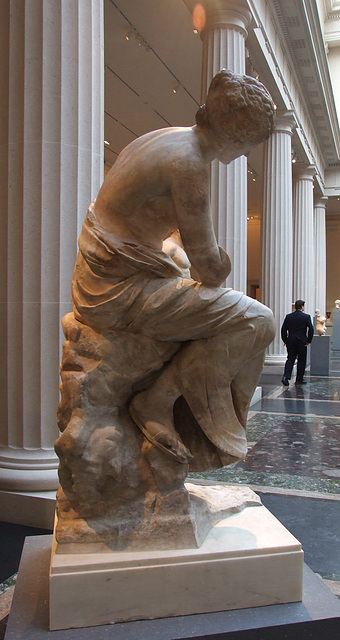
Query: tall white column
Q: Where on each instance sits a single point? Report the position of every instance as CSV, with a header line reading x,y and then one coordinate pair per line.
x,y
224,47
320,253
277,229
51,114
303,234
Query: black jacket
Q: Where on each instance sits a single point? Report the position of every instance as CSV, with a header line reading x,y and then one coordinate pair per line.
x,y
297,327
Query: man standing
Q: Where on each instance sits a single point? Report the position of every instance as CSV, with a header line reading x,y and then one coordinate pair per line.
x,y
297,333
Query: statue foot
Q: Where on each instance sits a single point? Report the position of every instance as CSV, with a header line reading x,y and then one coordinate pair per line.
x,y
160,435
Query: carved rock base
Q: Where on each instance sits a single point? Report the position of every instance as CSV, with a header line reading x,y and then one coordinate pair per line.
x,y
178,520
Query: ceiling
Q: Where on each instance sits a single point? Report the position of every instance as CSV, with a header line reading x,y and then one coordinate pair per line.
x,y
153,77
161,54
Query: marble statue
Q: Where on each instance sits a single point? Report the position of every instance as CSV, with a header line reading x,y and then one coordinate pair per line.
x,y
173,246
160,361
320,323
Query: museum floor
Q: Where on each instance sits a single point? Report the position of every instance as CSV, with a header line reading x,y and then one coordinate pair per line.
x,y
293,463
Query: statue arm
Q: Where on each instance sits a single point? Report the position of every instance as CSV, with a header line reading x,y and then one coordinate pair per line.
x,y
190,192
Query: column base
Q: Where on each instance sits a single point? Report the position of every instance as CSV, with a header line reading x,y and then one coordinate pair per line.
x,y
28,469
35,509
256,396
275,359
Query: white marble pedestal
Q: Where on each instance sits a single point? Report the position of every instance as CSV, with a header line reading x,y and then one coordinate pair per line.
x,y
247,560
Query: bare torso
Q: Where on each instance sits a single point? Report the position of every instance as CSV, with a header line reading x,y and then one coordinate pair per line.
x,y
160,182
136,197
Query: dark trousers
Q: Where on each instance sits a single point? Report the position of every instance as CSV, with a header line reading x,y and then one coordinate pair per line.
x,y
295,349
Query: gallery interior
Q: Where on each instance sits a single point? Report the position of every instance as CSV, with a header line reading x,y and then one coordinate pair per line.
x,y
82,79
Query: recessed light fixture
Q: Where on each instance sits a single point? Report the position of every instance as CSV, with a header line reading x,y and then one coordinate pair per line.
x,y
107,142
195,32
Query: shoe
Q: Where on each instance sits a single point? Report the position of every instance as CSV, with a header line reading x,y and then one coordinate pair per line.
x,y
285,381
300,382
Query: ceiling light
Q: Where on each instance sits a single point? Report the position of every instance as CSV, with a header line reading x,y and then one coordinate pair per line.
x,y
199,17
107,142
195,31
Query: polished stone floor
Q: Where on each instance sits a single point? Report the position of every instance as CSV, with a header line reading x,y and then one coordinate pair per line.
x,y
293,437
293,462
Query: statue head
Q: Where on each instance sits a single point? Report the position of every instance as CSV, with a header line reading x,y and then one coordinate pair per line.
x,y
238,109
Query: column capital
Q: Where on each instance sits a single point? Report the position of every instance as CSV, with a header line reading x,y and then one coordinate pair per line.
x,y
321,202
227,13
285,122
302,171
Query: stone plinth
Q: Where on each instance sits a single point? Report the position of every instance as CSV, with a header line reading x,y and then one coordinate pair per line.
x,y
336,329
320,360
247,560
316,616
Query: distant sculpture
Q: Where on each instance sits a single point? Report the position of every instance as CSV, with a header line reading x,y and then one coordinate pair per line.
x,y
151,349
320,323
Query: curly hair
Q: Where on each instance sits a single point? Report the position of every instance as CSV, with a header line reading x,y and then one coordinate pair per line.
x,y
238,108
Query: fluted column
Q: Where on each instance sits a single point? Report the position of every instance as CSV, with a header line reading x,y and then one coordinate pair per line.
x,y
224,47
51,112
277,229
303,234
320,253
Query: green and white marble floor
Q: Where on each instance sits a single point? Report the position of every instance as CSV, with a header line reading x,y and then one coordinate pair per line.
x,y
293,438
